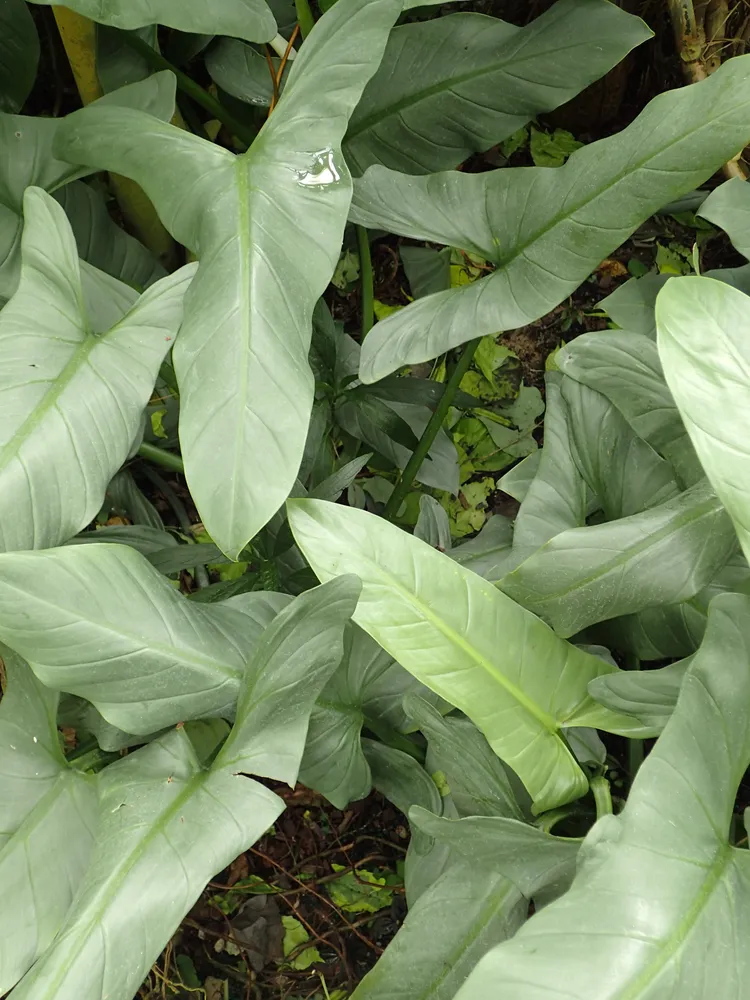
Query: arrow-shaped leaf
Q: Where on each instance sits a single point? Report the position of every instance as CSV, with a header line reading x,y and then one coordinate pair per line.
x,y
703,336
79,355
267,227
545,230
48,817
463,639
30,163
456,85
661,556
100,622
167,825
661,905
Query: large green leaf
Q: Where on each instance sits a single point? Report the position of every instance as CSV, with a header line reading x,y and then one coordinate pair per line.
x,y
649,695
100,622
670,630
250,19
79,355
19,54
487,553
625,367
451,926
623,471
545,230
366,690
477,780
729,207
267,227
405,783
661,556
660,907
296,655
533,860
459,84
48,816
556,497
30,162
704,326
104,244
463,639
167,825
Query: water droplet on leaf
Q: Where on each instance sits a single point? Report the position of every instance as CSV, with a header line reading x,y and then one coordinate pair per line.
x,y
322,171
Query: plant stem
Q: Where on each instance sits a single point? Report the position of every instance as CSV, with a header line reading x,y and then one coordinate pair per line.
x,y
365,275
304,17
191,88
392,738
430,432
635,746
166,459
602,797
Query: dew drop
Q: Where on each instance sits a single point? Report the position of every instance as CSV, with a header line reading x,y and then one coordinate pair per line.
x,y
322,171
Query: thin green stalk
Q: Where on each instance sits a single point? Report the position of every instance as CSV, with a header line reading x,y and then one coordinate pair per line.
x,y
194,90
602,797
304,17
392,738
430,432
365,276
166,459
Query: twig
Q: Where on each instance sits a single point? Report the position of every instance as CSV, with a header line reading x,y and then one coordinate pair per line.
x,y
430,432
276,75
329,903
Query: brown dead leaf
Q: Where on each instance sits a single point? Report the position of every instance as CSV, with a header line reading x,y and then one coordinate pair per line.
x,y
238,869
611,268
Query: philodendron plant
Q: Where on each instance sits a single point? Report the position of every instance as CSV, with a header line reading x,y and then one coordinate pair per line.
x,y
494,663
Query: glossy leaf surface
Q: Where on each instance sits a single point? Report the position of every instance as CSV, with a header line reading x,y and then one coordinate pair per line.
x,y
660,905
30,162
459,84
157,846
467,642
261,224
72,334
545,230
661,556
48,818
100,622
704,345
250,19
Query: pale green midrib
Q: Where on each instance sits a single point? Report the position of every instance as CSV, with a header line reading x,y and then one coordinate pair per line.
x,y
711,506
193,784
244,243
168,651
49,400
652,970
542,717
447,84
